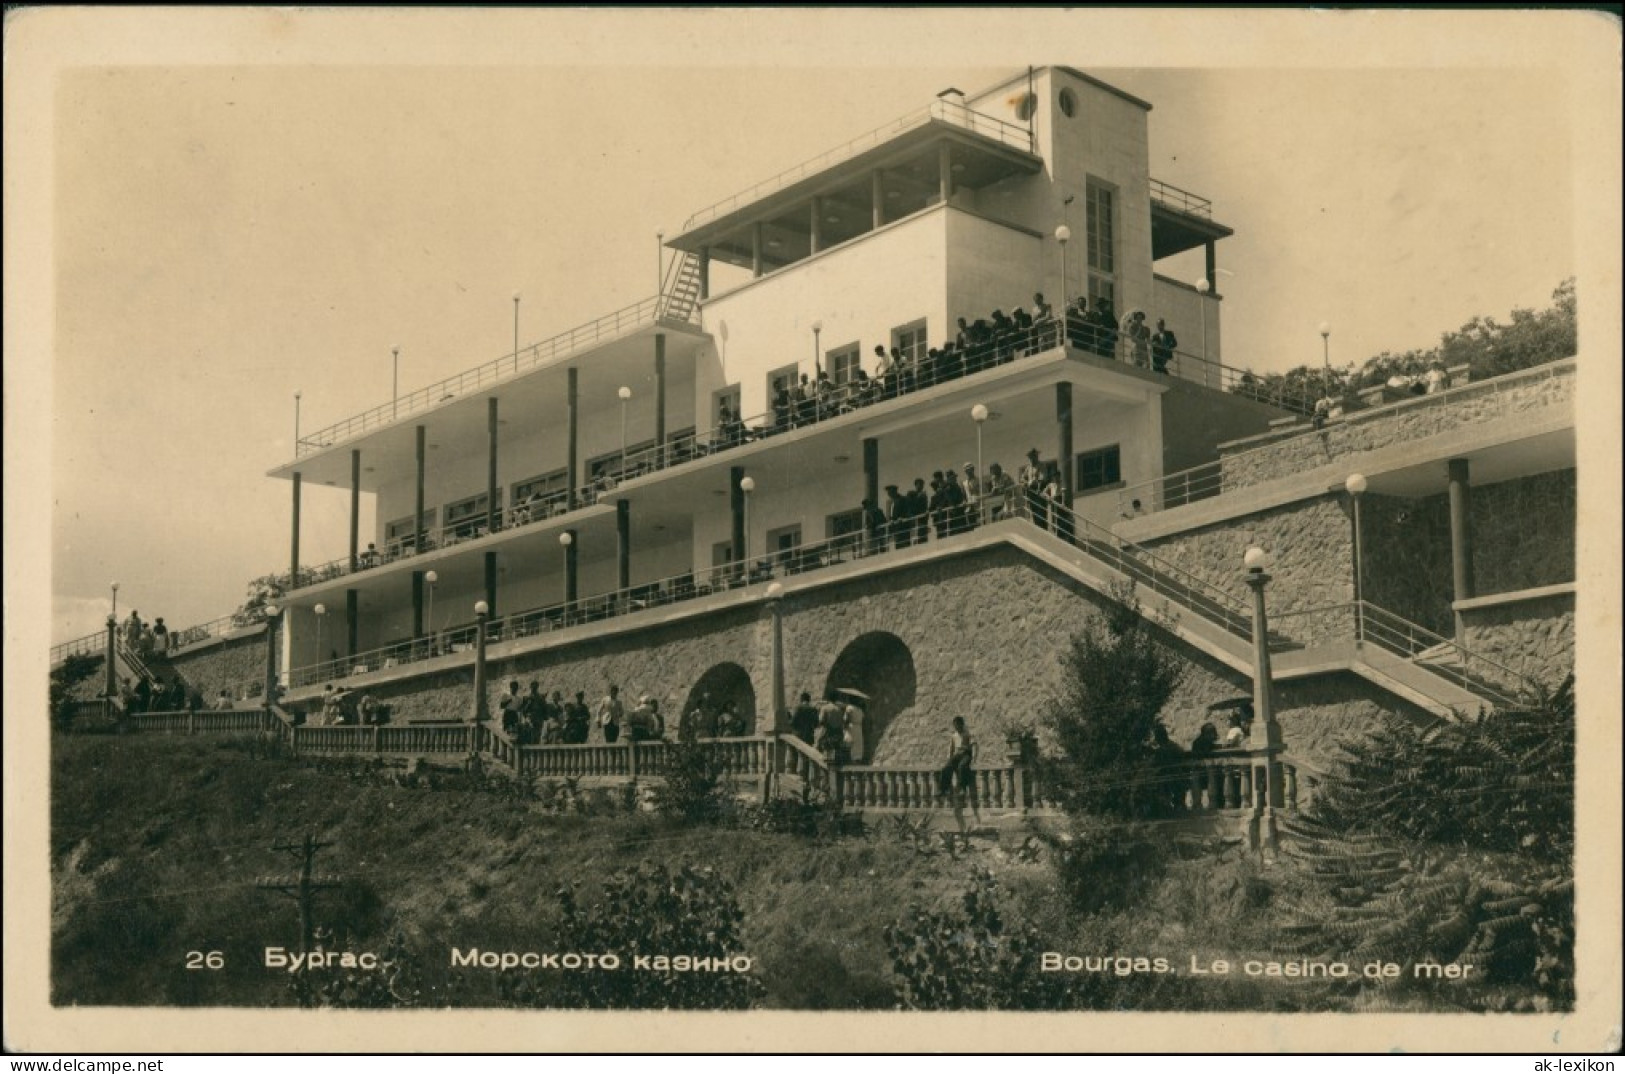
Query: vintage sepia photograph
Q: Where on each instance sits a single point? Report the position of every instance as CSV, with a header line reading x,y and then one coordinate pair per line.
x,y
661,511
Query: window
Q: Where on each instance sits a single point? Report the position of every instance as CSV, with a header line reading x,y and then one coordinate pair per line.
x,y
843,364
1100,468
398,534
786,376
910,339
466,518
547,486
784,539
728,397
1068,103
610,465
844,523
1100,202
1026,104
722,553
1101,288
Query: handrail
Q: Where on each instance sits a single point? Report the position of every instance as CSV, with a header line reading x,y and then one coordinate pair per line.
x,y
1208,479
91,643
952,112
1159,576
1404,638
610,326
1176,198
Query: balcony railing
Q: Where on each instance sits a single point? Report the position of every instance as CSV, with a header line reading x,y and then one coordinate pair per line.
x,y
89,645
952,112
1412,418
1182,200
609,327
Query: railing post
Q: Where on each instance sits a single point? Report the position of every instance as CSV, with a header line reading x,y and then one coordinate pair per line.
x,y
632,756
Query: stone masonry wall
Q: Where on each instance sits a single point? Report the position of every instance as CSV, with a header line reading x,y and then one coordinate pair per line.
x,y
1406,558
986,632
225,665
1534,639
1312,561
1523,533
1503,399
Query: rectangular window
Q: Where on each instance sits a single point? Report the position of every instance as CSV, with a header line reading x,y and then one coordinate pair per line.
x,y
910,339
722,553
1100,468
466,518
608,467
538,497
844,523
786,376
784,539
1101,288
724,397
843,364
1100,202
398,534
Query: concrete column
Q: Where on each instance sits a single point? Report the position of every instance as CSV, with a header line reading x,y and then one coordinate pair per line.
x,y
491,581
572,406
945,172
417,519
1212,267
293,544
493,512
1461,538
1266,733
660,399
816,235
623,545
1063,424
877,198
110,683
871,471
352,609
417,605
756,249
705,273
355,509
736,506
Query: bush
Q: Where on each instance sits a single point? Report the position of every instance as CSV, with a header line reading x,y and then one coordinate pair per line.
x,y
696,788
1116,679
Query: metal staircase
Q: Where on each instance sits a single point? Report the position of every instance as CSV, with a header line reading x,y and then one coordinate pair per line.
x,y
680,294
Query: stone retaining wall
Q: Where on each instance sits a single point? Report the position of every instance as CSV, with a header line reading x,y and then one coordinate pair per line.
x,y
229,664
1533,638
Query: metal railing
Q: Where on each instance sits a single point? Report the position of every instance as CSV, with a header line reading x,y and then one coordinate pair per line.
x,y
91,644
1182,200
1222,475
951,112
1366,622
621,322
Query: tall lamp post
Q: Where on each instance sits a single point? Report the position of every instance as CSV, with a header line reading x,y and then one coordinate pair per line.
x,y
321,616
660,261
272,617
625,394
431,577
1063,235
747,485
818,354
110,676
395,381
1356,484
978,414
296,397
1203,286
516,331
114,612
1267,786
482,611
566,539
775,594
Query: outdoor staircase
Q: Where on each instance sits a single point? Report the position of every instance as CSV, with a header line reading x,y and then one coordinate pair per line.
x,y
681,292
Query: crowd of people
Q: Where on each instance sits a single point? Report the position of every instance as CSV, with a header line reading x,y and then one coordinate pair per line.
x,y
534,717
157,695
950,504
835,728
1094,327
148,639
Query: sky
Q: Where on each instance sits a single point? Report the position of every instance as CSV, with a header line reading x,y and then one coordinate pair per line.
x,y
226,234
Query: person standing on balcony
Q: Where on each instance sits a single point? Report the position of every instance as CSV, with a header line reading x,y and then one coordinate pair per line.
x,y
874,525
1031,481
577,720
1001,489
611,715
1162,348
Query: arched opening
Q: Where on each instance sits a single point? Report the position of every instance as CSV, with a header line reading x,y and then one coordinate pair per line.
x,y
721,684
879,664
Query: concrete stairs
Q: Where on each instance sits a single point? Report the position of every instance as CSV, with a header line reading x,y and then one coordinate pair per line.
x,y
682,288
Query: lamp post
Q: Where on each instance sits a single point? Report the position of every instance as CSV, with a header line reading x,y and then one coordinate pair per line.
x,y
516,331
321,616
110,674
431,577
660,261
1326,345
1203,286
395,382
296,397
747,485
272,616
775,594
566,539
482,611
978,414
818,355
1268,791
625,394
1063,235
114,612
1356,484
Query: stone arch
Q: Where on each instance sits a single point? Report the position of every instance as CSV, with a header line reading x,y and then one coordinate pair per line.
x,y
880,664
724,682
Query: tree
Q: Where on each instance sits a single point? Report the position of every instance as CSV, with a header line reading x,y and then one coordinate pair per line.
x,y
261,592
1117,677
